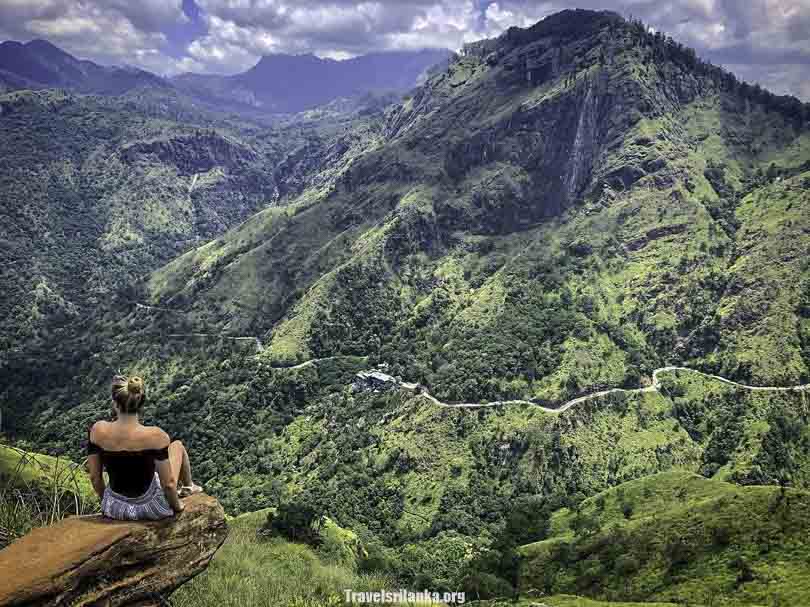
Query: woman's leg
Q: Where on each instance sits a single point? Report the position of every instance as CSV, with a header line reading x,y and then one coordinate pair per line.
x,y
181,467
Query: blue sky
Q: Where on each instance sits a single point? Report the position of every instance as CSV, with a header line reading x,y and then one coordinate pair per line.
x,y
765,41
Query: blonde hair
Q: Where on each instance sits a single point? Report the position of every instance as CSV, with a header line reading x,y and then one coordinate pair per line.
x,y
128,393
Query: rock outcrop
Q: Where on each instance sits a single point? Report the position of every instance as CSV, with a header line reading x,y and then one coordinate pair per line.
x,y
93,560
198,152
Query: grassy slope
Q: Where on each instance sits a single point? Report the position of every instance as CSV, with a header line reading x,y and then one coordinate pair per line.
x,y
678,536
20,468
248,571
38,490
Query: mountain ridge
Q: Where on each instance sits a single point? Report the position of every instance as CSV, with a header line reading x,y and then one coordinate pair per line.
x,y
319,80
41,64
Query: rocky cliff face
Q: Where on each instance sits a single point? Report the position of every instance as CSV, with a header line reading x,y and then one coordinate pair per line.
x,y
96,561
194,153
552,101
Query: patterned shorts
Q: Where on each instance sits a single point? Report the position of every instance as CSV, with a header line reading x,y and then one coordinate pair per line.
x,y
151,506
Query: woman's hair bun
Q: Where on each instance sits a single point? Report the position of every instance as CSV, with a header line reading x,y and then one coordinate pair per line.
x,y
135,385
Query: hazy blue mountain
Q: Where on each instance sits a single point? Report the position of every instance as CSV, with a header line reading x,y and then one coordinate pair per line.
x,y
39,64
293,83
277,83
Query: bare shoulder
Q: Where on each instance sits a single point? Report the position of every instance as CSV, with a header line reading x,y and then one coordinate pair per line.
x,y
157,437
99,429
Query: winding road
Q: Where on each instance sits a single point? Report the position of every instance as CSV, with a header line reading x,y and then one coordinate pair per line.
x,y
145,307
256,340
654,387
313,361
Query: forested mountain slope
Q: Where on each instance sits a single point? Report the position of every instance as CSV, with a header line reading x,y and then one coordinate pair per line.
x,y
97,192
678,536
564,208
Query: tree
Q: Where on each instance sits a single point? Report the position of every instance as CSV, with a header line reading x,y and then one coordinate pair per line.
x,y
295,521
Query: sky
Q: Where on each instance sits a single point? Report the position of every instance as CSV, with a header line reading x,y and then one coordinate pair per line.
x,y
764,41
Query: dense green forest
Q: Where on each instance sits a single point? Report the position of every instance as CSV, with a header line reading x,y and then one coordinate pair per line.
x,y
563,210
116,187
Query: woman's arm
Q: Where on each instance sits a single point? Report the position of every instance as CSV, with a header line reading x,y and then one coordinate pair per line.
x,y
94,465
169,485
96,476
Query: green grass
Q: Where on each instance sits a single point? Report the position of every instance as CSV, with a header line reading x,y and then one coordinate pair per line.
x,y
271,572
677,536
19,467
38,490
567,600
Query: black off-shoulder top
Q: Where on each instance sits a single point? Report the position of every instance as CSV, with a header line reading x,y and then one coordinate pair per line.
x,y
130,472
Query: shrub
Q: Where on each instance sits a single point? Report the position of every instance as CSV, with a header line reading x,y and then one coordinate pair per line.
x,y
627,510
480,585
626,565
296,522
745,572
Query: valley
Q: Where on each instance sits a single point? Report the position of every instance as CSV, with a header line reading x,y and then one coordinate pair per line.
x,y
579,252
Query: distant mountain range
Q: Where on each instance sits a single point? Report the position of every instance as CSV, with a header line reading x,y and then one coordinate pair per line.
x,y
291,83
39,64
277,83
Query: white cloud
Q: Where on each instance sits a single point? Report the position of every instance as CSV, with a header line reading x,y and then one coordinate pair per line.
x,y
112,32
758,37
150,15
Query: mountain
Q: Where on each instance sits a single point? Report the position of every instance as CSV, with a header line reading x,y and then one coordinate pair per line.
x,y
277,83
570,208
39,64
563,209
294,83
100,191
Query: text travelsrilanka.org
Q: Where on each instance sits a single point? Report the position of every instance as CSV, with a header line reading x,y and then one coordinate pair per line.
x,y
405,596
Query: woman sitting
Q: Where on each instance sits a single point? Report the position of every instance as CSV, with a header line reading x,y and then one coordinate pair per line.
x,y
143,466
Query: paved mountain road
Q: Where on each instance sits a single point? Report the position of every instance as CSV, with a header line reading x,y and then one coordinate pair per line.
x,y
654,387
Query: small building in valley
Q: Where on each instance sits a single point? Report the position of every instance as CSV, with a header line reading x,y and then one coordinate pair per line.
x,y
374,380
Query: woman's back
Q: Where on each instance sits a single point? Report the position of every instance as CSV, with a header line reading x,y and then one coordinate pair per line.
x,y
128,454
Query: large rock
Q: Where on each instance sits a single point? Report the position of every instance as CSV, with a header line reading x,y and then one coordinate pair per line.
x,y
93,560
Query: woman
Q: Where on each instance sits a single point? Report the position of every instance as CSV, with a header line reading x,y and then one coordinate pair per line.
x,y
143,466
